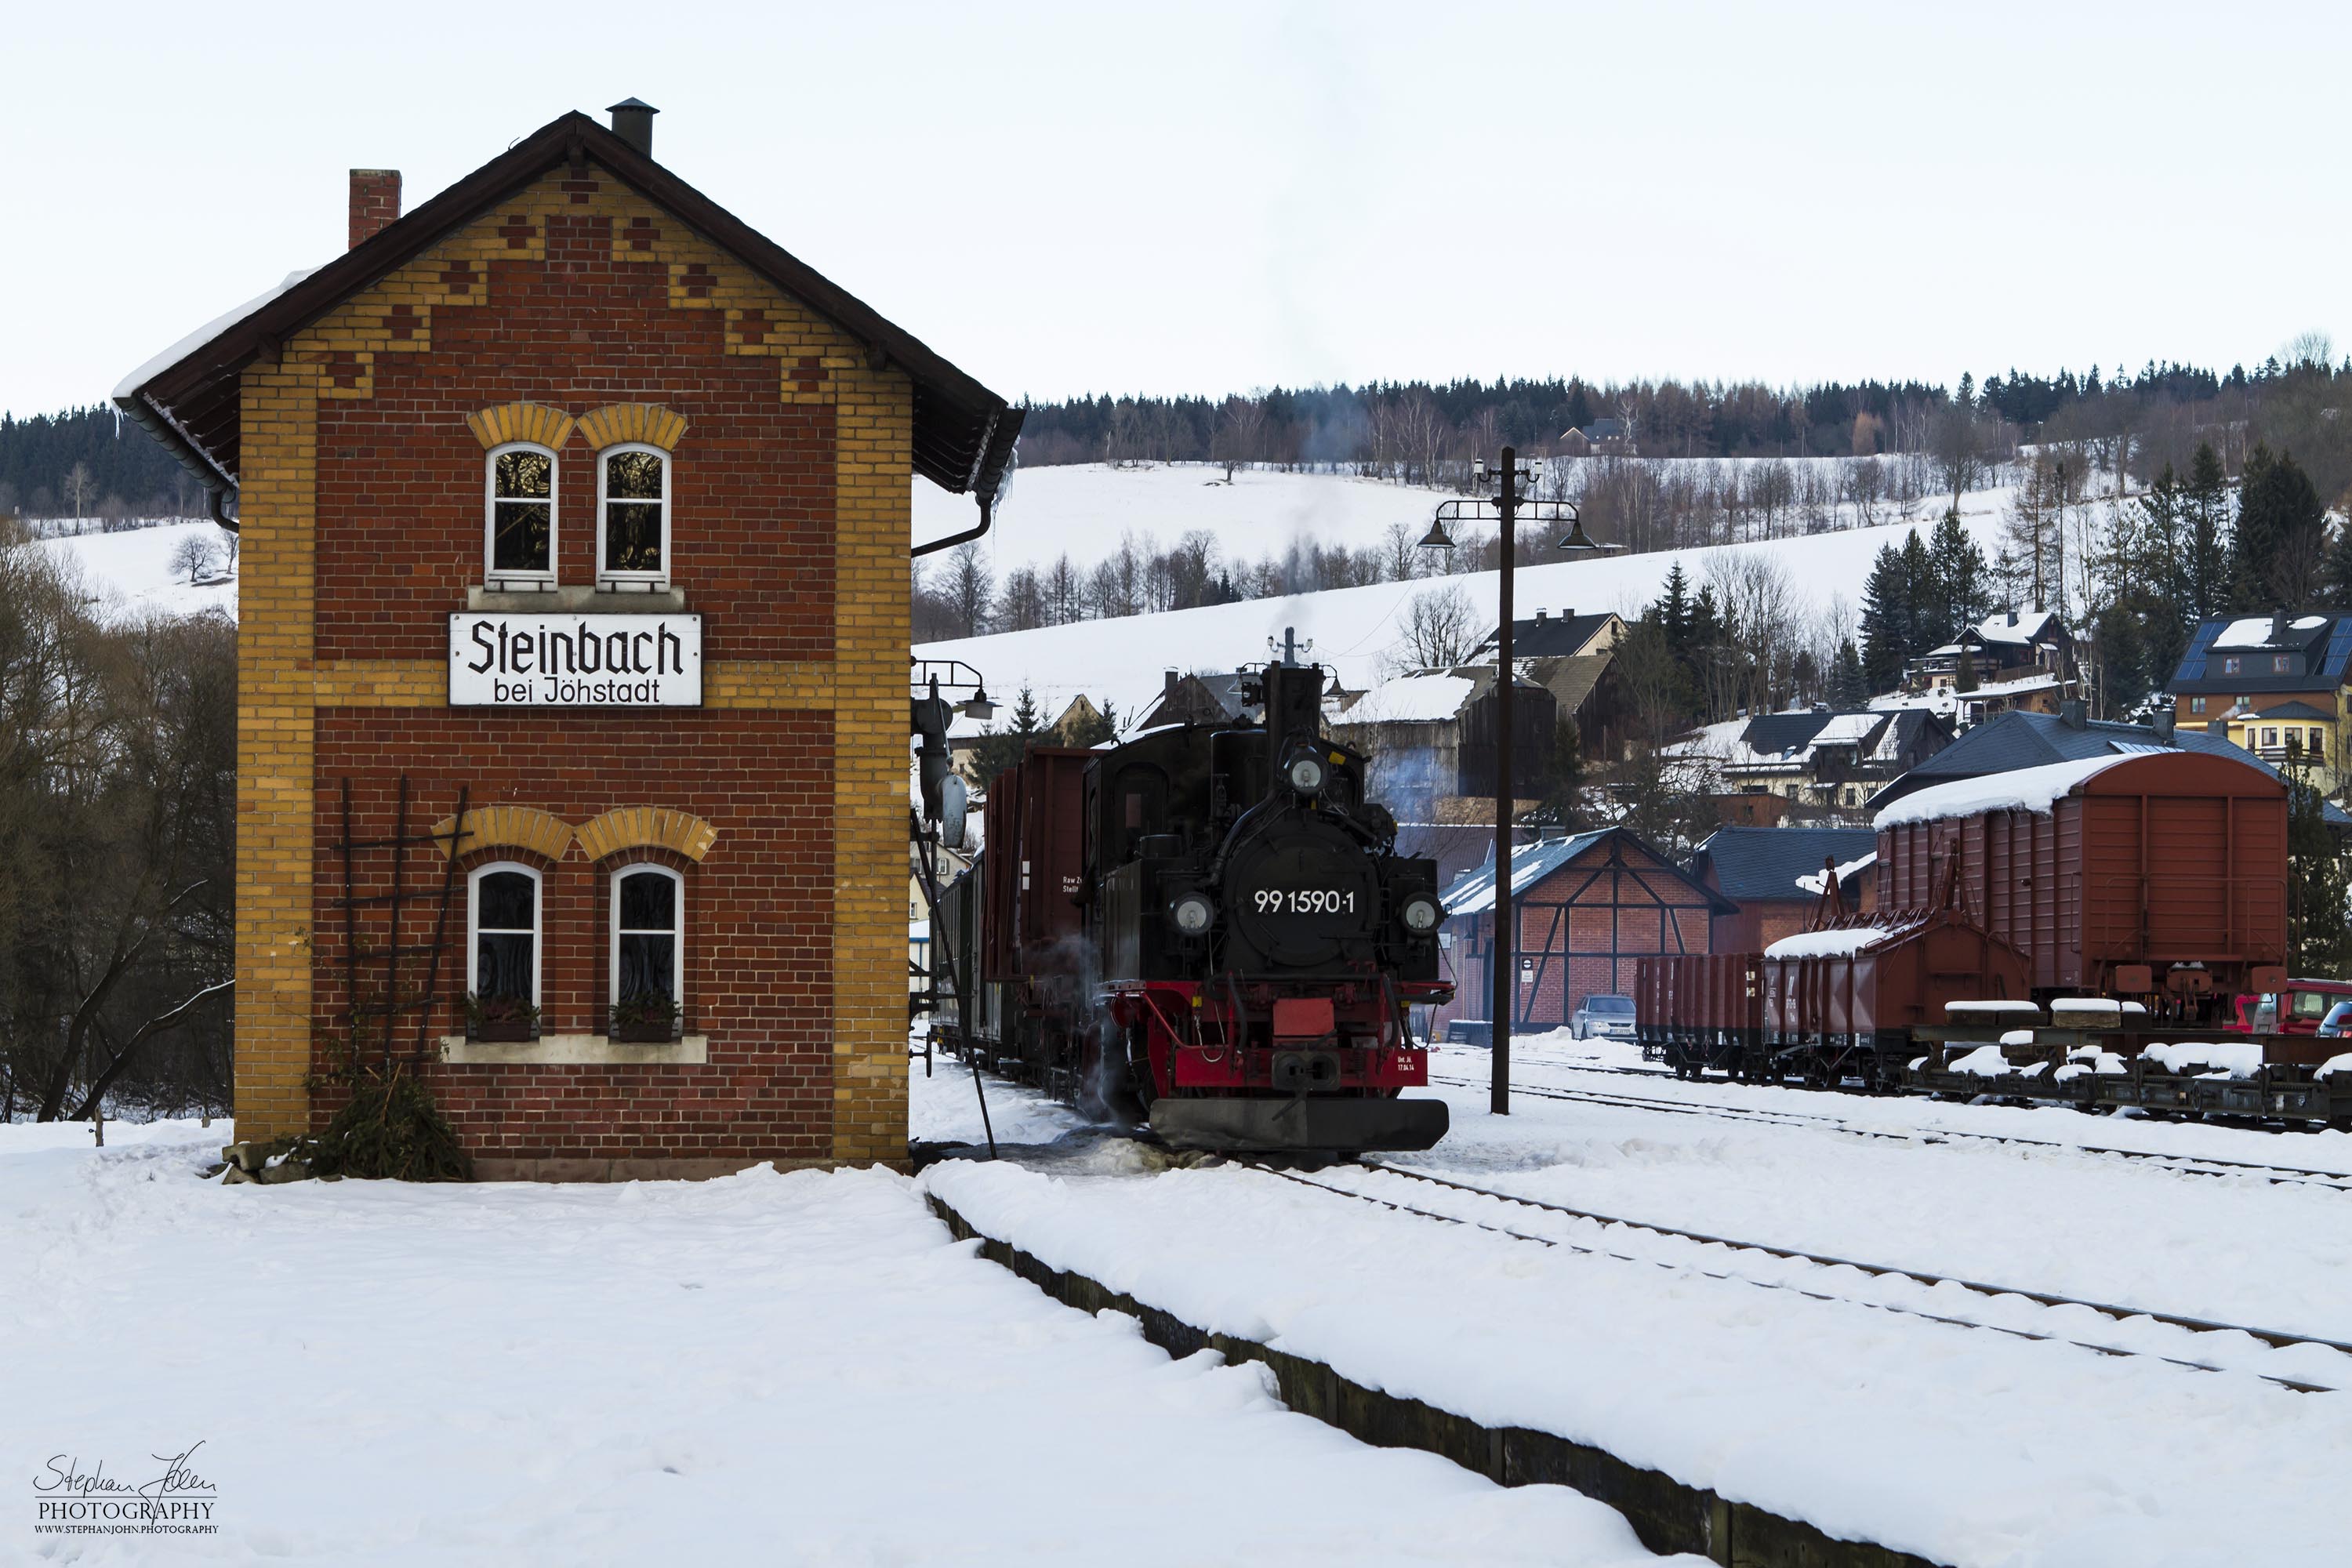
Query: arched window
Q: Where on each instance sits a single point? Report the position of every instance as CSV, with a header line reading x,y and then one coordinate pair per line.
x,y
502,917
519,531
632,525
648,972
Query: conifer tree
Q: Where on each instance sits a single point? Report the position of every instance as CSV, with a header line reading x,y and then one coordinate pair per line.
x,y
1964,670
1886,618
2205,505
998,751
1960,574
2317,883
2281,534
2338,570
1851,686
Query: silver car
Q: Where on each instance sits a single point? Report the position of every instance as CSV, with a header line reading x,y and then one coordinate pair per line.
x,y
1604,1016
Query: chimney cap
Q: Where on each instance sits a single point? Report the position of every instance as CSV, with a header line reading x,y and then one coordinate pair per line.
x,y
632,121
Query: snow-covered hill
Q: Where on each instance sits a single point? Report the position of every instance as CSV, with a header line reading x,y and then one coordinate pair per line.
x,y
1085,508
132,574
1354,628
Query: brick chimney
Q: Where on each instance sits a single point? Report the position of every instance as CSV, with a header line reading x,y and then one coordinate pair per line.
x,y
376,201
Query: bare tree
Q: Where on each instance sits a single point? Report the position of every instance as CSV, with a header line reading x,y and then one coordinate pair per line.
x,y
970,586
81,488
193,556
1441,630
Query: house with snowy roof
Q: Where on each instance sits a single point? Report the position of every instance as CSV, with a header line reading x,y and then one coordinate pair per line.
x,y
1431,738
1817,757
2274,685
1563,636
2006,646
1610,437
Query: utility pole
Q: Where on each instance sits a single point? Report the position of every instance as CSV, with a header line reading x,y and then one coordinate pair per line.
x,y
1505,505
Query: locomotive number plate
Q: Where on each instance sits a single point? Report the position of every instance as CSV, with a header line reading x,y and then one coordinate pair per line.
x,y
1305,901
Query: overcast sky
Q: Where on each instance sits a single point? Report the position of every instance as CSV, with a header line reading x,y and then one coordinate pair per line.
x,y
1122,197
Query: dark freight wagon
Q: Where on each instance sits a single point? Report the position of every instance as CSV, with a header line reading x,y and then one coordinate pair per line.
x,y
2163,871
1696,1011
1844,1001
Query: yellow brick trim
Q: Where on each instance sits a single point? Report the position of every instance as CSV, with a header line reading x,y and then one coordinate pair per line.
x,y
753,683
873,456
506,827
646,423
275,744
646,827
539,423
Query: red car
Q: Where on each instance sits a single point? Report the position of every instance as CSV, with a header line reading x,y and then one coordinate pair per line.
x,y
2297,1010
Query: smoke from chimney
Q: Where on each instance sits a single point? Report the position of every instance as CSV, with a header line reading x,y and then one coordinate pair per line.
x,y
375,202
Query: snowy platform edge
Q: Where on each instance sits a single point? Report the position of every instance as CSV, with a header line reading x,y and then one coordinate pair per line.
x,y
1667,1515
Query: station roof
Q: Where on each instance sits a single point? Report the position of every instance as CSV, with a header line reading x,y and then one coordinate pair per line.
x,y
963,432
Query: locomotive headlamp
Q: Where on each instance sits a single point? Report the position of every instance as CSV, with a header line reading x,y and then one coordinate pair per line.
x,y
1192,914
1421,913
1307,775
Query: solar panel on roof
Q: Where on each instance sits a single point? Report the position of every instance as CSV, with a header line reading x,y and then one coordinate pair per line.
x,y
2339,646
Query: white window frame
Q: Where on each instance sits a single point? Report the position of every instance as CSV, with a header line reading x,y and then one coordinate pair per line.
x,y
525,582
474,924
613,929
606,578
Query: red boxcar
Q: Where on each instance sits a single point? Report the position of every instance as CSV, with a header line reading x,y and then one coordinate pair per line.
x,y
1032,925
2156,871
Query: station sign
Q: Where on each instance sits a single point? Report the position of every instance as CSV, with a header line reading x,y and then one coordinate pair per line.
x,y
576,661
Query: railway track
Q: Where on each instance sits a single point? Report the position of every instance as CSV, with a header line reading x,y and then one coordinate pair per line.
x,y
2274,1339
2184,1163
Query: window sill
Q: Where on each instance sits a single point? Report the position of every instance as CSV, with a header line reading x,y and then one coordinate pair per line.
x,y
577,599
576,1050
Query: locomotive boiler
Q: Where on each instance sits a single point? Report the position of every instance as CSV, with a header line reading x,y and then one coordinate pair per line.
x,y
1209,929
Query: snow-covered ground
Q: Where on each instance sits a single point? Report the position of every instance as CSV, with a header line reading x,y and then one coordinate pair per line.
x,y
132,574
1860,1414
768,1368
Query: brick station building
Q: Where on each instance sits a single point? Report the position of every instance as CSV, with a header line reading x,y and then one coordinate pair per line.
x,y
569,491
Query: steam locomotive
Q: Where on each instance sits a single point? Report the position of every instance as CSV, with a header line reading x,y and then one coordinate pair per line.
x,y
1207,929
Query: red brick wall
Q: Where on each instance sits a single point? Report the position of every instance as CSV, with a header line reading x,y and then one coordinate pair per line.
x,y
759,937
401,478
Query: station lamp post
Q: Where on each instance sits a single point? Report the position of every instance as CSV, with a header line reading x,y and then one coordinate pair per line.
x,y
1505,505
941,820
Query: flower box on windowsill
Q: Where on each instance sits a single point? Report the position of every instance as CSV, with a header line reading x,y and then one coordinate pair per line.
x,y
644,1031
502,1031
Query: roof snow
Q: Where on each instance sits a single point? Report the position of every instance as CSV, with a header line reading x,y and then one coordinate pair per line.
x,y
2254,631
138,378
1997,627
2036,790
1811,881
1413,699
1838,943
